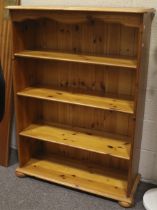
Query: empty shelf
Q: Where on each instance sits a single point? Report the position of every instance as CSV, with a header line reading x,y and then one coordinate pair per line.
x,y
80,175
87,141
125,106
88,59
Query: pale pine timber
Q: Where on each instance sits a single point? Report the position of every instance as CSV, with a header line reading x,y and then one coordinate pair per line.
x,y
87,59
99,144
105,103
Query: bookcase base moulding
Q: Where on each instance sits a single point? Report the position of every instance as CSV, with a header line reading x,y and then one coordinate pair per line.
x,y
79,84
123,200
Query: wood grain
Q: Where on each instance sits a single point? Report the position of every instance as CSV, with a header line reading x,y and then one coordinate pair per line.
x,y
104,103
70,137
59,56
97,9
74,174
143,61
5,59
78,71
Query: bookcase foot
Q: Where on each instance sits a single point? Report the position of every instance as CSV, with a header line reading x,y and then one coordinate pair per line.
x,y
126,204
130,202
19,174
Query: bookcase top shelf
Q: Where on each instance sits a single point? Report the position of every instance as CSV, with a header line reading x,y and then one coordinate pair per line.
x,y
88,9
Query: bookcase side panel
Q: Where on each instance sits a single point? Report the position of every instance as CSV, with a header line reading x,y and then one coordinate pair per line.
x,y
144,45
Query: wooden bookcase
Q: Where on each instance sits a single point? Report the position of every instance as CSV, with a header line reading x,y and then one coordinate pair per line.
x,y
79,82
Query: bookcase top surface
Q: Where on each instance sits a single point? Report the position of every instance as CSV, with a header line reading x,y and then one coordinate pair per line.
x,y
82,8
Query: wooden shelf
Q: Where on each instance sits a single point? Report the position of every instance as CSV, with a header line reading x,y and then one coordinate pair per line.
x,y
105,103
79,8
87,141
58,56
80,175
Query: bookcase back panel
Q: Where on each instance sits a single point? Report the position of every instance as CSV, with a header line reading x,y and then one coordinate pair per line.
x,y
84,117
126,19
87,78
89,37
83,78
102,160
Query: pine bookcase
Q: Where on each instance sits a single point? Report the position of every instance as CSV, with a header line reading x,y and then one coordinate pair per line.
x,y
79,82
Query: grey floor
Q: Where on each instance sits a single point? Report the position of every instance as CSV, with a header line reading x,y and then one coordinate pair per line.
x,y
33,194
